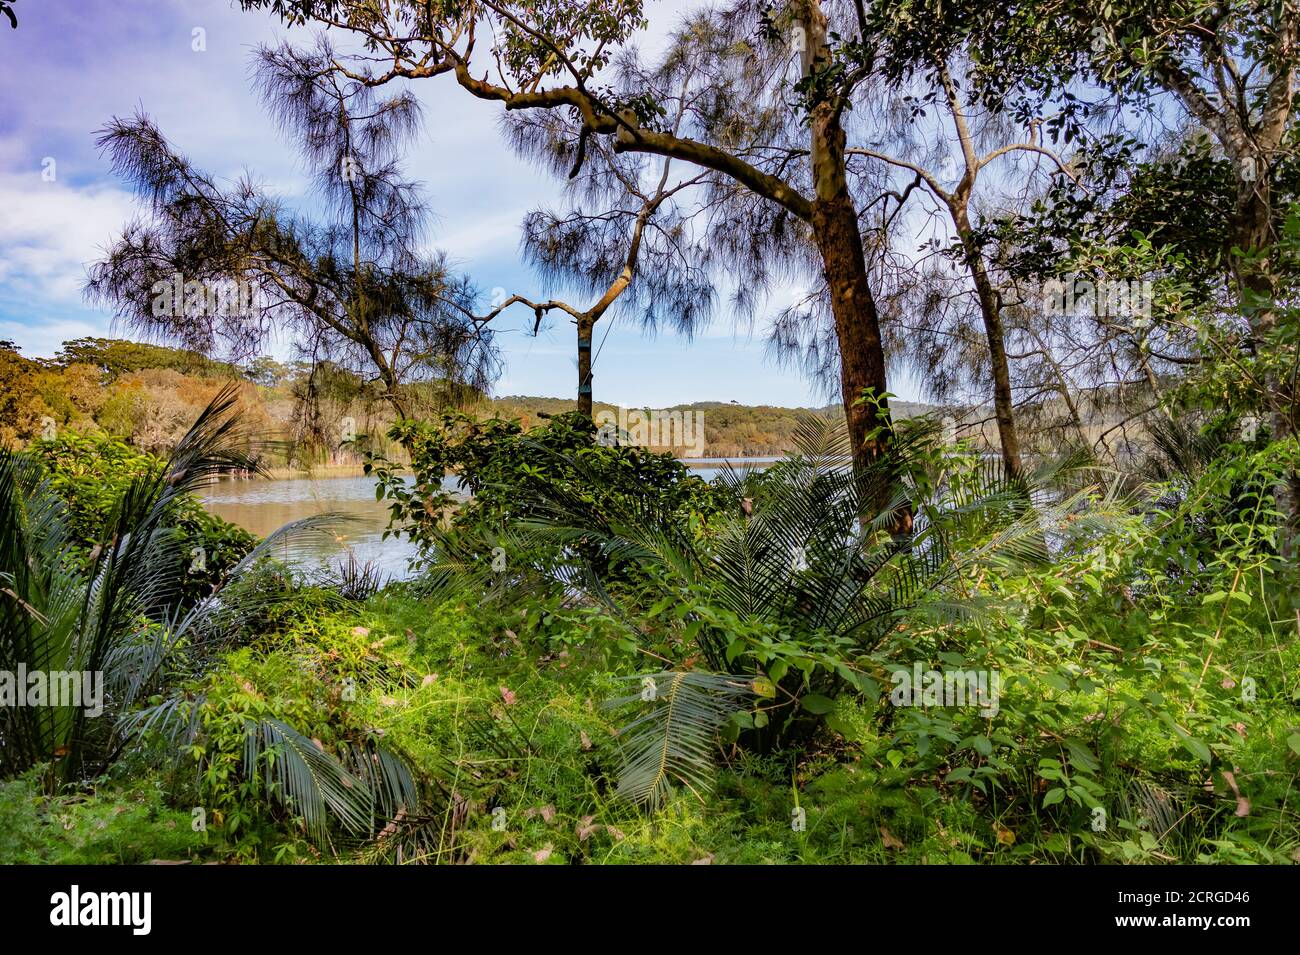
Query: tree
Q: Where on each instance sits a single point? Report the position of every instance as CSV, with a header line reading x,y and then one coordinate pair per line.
x,y
1230,68
116,357
267,372
622,241
227,265
550,56
931,82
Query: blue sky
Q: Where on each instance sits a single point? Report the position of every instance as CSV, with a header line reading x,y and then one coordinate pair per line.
x,y
74,64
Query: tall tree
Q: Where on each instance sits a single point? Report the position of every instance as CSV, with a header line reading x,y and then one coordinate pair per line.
x,y
963,128
550,55
1229,67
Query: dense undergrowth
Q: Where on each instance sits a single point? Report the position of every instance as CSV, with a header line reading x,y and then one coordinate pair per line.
x,y
1145,708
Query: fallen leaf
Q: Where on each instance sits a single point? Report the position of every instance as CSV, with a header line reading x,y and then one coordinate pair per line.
x,y
890,840
544,853
585,739
548,813
360,631
429,679
616,832
707,860
1006,836
585,828
508,696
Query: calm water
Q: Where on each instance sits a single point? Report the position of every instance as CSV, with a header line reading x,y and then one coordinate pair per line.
x,y
262,506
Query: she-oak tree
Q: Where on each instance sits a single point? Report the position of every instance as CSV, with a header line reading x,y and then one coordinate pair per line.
x,y
549,55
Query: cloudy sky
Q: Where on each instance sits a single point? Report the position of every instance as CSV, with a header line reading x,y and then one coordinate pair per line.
x,y
74,64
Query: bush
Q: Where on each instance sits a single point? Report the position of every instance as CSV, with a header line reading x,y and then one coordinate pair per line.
x,y
91,473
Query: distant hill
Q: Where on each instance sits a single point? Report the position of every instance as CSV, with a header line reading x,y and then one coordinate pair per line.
x,y
150,395
730,429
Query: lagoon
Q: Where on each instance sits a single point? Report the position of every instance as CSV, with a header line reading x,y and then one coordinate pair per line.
x,y
263,505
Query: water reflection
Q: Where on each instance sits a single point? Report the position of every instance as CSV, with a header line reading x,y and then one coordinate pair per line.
x,y
262,506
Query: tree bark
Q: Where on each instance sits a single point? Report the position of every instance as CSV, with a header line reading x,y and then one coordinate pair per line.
x,y
857,325
1003,404
835,231
586,326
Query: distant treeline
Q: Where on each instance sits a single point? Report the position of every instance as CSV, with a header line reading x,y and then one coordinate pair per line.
x,y
308,416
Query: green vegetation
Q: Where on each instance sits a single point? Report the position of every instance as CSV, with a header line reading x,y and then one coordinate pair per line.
x,y
607,660
1055,619
148,395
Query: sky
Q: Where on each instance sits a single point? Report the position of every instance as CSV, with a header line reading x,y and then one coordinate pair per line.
x,y
72,65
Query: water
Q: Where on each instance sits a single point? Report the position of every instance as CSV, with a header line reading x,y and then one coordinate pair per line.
x,y
263,506
709,468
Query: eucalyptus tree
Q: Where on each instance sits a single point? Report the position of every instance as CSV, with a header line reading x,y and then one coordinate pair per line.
x,y
765,113
350,287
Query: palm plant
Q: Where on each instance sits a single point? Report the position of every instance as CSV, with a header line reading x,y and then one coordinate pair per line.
x,y
59,616
807,583
121,618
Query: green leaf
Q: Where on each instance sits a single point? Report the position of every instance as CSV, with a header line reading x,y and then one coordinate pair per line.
x,y
816,703
1196,747
674,732
1053,796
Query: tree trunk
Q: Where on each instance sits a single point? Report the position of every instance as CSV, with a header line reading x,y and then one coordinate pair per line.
x,y
1003,406
839,241
857,325
585,328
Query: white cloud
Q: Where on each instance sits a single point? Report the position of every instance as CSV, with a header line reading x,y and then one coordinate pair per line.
x,y
43,340
51,231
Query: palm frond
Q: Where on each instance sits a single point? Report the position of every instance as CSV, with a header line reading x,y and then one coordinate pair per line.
x,y
675,737
318,787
